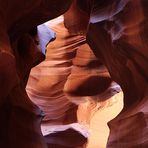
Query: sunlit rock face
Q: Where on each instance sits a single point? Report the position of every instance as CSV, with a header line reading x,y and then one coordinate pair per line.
x,y
20,118
70,69
69,73
88,71
47,80
118,36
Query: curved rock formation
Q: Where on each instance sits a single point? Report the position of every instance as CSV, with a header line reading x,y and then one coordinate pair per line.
x,y
118,35
69,72
20,118
47,80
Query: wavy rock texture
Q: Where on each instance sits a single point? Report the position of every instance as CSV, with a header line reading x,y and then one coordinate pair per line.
x,y
118,35
47,80
69,72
